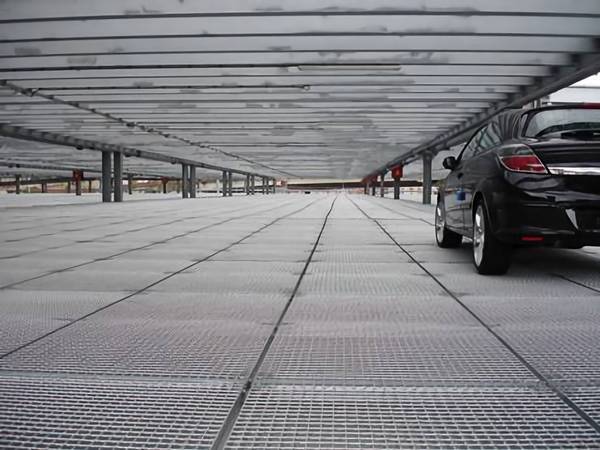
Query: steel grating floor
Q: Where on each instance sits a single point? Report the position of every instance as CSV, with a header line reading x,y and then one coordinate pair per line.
x,y
285,322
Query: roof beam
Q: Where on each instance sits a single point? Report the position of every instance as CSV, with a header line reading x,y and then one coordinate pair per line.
x,y
582,67
69,141
390,24
17,164
14,10
134,125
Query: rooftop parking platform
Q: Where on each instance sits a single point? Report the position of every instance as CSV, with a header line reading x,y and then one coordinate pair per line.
x,y
286,321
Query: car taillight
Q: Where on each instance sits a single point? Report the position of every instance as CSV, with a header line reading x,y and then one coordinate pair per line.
x,y
523,163
532,238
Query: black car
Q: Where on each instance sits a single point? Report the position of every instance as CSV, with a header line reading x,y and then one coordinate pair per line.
x,y
525,178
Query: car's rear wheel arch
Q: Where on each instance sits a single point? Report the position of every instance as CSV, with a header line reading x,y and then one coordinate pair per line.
x,y
490,256
480,198
445,237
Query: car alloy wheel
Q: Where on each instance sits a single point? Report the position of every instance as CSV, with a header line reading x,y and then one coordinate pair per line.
x,y
444,237
440,223
490,256
478,235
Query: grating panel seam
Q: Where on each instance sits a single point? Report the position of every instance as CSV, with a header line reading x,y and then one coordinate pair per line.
x,y
229,423
578,283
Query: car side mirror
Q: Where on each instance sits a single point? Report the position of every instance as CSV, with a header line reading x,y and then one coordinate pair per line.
x,y
450,163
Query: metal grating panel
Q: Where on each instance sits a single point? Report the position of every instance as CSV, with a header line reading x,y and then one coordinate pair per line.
x,y
241,282
256,252
260,308
350,254
362,269
395,309
86,278
390,354
562,352
431,254
518,285
147,347
423,418
556,311
27,315
587,398
400,284
72,413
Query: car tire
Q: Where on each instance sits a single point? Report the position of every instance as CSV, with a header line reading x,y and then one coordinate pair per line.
x,y
444,237
490,256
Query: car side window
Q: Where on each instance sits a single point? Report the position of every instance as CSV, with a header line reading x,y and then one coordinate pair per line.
x,y
490,137
471,149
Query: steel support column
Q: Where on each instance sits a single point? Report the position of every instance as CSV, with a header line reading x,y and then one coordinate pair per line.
x,y
106,175
17,184
397,173
396,188
44,188
230,184
130,184
382,185
224,184
366,188
184,181
247,185
78,185
90,186
69,187
192,182
253,186
118,176
164,182
274,185
427,179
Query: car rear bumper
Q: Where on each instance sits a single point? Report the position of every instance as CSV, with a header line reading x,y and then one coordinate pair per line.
x,y
528,222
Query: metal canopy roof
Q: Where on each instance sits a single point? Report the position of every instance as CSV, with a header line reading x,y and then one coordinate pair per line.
x,y
312,88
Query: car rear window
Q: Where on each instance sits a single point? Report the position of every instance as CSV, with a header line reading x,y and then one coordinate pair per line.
x,y
551,121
